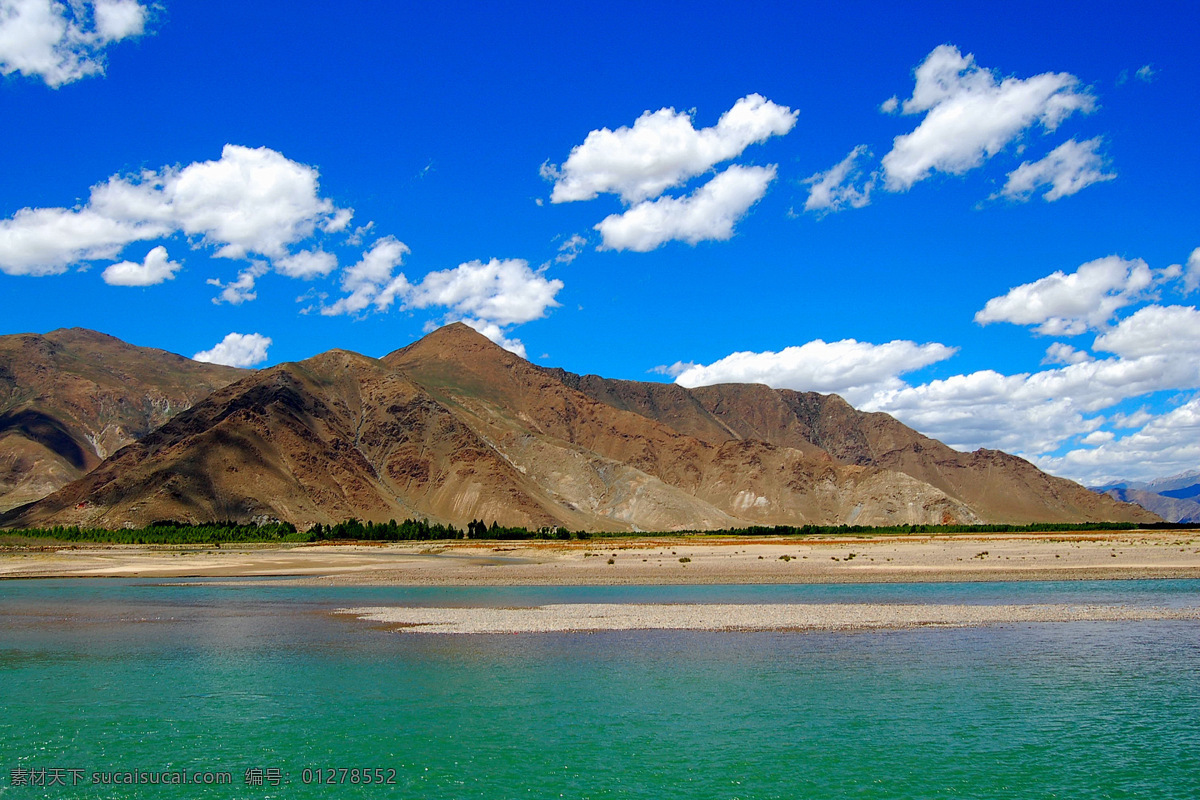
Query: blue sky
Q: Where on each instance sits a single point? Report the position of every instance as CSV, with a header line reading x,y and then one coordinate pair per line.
x,y
981,222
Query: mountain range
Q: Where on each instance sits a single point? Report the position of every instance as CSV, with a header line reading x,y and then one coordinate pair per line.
x,y
1175,499
454,428
73,397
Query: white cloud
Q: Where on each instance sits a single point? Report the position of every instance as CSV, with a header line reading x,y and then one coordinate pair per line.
x,y
1098,437
63,42
1060,353
1155,331
674,370
1146,73
1191,277
890,106
489,296
250,201
494,332
1067,169
662,150
46,241
339,221
855,370
834,189
707,214
1062,304
569,250
500,291
982,409
1165,445
155,269
237,350
1135,420
241,290
307,264
370,281
971,116
1031,412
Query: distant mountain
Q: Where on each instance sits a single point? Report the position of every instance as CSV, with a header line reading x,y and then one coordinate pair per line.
x,y
454,428
73,397
1184,481
1175,499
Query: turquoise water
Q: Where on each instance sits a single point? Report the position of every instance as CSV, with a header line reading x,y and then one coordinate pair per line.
x,y
116,676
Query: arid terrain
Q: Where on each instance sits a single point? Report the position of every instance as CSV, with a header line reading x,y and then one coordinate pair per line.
x,y
453,428
73,397
657,560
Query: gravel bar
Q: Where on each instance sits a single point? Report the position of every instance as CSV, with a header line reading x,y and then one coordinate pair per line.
x,y
742,617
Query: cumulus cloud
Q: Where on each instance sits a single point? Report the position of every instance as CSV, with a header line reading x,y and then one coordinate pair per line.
x,y
307,264
856,370
490,296
494,332
1165,445
1098,437
1135,420
250,201
1146,73
1066,305
971,115
1154,331
1033,413
1067,169
241,290
1191,275
673,370
1055,416
1062,353
370,282
709,213
155,269
62,42
500,291
834,189
237,350
45,241
663,149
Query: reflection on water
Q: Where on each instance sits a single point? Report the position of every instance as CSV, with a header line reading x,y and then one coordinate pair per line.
x,y
109,675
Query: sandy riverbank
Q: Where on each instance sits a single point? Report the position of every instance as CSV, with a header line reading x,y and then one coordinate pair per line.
x,y
742,617
657,560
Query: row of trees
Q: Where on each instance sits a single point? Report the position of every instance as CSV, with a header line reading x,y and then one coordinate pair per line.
x,y
215,533
169,532
422,530
1035,527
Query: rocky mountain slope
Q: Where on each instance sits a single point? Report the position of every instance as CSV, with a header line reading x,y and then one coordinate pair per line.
x,y
454,428
73,397
995,485
1175,499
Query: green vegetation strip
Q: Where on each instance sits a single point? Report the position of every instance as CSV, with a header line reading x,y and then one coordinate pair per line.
x,y
172,532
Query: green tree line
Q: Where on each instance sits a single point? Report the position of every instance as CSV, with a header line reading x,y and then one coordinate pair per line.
x,y
216,533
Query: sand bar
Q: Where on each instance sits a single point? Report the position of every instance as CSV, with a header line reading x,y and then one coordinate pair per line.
x,y
568,617
646,561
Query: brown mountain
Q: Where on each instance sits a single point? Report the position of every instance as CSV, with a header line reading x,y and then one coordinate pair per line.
x,y
997,486
72,397
454,428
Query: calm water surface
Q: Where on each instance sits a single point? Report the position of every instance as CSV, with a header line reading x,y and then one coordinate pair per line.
x,y
117,676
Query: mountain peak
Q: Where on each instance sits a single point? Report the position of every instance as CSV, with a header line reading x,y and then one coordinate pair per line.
x,y
454,353
446,342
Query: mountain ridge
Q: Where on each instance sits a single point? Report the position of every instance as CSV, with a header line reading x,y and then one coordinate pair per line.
x,y
71,397
453,428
